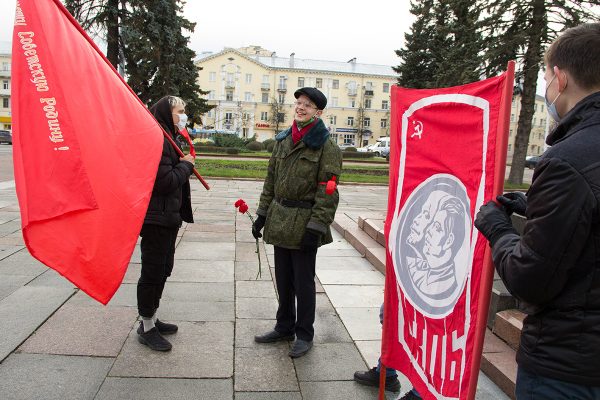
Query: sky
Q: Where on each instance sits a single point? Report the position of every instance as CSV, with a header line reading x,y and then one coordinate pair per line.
x,y
312,29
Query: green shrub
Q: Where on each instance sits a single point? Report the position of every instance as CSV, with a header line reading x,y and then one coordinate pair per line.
x,y
267,142
232,150
255,146
351,149
270,146
356,154
215,149
222,140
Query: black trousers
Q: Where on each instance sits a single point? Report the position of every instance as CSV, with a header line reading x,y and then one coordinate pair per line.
x,y
295,279
158,253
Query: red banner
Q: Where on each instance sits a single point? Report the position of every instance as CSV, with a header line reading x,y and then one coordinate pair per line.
x,y
442,168
82,180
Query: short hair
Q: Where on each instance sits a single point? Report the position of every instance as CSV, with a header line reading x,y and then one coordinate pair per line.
x,y
175,101
576,50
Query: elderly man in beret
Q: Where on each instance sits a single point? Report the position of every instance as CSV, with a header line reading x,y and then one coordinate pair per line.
x,y
297,206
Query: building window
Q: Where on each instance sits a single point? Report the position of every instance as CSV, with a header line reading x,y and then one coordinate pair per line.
x,y
510,133
332,119
319,83
534,119
281,98
5,85
367,103
211,95
336,84
334,102
384,104
352,103
248,96
369,86
542,121
228,117
512,117
535,107
367,122
212,76
248,78
334,136
265,98
349,138
510,147
386,88
264,116
350,121
384,123
542,108
300,82
6,102
5,66
209,114
229,95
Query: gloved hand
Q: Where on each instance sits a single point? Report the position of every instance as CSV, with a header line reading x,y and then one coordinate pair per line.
x,y
493,222
310,241
257,226
513,202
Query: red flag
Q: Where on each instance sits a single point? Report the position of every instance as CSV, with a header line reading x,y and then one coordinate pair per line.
x,y
446,146
186,135
82,183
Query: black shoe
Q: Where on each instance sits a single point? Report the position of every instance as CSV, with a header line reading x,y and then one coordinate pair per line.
x,y
300,348
163,328
272,336
410,396
371,378
154,340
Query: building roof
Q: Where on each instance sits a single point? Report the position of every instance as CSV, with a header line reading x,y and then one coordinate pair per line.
x,y
294,63
5,47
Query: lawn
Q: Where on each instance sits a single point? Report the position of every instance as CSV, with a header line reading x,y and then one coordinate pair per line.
x,y
257,169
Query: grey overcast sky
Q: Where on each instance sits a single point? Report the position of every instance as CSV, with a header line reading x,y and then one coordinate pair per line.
x,y
314,29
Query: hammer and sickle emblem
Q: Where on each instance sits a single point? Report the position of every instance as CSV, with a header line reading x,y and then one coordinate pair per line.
x,y
418,129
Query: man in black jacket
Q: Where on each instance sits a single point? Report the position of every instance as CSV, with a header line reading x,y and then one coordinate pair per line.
x,y
553,268
169,205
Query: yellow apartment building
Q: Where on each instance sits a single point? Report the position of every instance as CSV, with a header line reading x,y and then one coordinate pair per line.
x,y
537,136
5,59
252,90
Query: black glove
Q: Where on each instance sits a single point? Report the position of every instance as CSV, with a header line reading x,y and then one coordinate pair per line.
x,y
310,241
257,226
513,202
493,222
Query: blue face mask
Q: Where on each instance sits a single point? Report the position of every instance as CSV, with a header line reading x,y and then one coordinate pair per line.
x,y
552,106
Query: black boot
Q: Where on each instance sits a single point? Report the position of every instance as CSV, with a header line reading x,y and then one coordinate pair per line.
x,y
273,336
371,378
154,340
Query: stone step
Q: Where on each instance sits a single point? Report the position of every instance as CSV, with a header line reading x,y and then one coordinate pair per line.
x,y
373,226
508,326
499,364
361,241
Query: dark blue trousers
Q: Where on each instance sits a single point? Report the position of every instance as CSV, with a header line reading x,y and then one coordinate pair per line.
x,y
531,386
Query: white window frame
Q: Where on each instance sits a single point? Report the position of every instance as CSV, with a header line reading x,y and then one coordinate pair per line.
x,y
264,115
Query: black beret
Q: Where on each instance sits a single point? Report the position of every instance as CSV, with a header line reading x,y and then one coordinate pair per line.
x,y
314,94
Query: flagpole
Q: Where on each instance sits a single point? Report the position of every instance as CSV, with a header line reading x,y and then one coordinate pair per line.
x,y
66,12
487,275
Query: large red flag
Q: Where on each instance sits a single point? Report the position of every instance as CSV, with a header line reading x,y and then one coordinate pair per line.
x,y
448,152
82,180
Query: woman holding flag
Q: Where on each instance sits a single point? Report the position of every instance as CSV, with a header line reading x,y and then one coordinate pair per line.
x,y
169,205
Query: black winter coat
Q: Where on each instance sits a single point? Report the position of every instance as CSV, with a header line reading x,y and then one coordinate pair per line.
x,y
554,267
170,202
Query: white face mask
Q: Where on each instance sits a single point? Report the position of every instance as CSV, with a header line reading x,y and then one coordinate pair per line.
x,y
182,121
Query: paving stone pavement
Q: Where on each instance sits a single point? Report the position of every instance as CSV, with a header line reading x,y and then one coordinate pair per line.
x,y
57,343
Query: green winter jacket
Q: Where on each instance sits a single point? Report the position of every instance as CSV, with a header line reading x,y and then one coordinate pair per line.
x,y
294,175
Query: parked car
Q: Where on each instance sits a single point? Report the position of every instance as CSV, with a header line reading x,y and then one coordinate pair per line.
x,y
344,146
382,147
531,161
5,137
366,149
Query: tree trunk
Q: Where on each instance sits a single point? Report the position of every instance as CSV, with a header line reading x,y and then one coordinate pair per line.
x,y
531,64
112,32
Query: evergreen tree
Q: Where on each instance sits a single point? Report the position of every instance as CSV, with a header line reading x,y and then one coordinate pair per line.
x,y
521,29
158,59
444,45
100,18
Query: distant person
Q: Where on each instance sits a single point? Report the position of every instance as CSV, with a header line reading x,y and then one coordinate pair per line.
x,y
392,384
169,205
297,206
553,268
